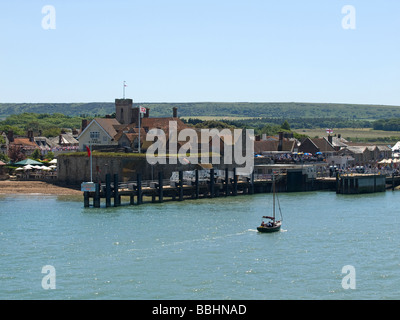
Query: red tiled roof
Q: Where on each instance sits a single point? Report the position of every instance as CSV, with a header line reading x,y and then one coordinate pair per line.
x,y
24,142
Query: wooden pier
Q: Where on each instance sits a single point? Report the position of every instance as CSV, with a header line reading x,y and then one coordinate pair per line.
x,y
116,193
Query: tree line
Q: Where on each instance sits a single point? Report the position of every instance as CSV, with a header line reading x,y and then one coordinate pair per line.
x,y
49,125
387,124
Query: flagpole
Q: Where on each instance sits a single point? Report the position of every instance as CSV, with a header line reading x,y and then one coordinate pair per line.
x,y
124,89
140,116
91,163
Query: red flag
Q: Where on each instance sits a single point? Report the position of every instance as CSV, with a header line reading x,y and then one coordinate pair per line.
x,y
88,151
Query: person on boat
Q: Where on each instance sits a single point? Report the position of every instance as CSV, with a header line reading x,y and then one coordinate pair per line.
x,y
270,224
262,224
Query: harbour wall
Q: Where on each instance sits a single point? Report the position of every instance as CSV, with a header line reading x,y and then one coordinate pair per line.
x,y
75,169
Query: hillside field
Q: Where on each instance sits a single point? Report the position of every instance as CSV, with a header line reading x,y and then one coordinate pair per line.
x,y
368,135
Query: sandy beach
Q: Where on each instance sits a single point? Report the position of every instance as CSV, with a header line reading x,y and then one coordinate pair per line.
x,y
36,187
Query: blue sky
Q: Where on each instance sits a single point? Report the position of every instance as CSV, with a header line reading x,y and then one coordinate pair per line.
x,y
192,50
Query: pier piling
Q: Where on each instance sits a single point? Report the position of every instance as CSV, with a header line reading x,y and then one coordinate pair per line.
x,y
180,185
86,199
108,190
160,187
197,186
96,198
235,182
116,195
139,189
226,182
212,180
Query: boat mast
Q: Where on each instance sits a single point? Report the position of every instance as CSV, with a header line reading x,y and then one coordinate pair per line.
x,y
273,196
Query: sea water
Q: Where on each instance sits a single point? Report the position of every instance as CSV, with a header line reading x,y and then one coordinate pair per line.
x,y
201,249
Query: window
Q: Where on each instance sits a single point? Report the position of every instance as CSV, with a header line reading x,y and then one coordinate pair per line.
x,y
94,135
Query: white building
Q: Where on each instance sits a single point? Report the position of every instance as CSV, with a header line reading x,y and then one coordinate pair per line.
x,y
99,132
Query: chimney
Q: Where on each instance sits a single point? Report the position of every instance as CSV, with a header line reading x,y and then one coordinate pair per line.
x,y
135,114
280,145
264,137
30,135
60,139
175,112
258,138
147,113
84,124
330,139
10,136
40,133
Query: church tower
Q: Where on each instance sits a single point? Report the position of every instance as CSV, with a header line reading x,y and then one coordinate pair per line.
x,y
123,110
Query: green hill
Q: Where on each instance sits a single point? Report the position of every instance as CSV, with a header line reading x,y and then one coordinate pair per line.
x,y
217,109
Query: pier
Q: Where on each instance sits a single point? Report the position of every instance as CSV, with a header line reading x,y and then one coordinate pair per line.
x,y
115,193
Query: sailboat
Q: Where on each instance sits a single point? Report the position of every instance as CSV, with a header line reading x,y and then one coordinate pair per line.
x,y
272,225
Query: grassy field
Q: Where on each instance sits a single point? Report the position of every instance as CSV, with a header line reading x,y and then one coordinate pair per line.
x,y
355,134
206,118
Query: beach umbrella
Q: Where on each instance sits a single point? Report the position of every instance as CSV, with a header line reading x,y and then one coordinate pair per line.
x,y
53,166
18,169
46,168
27,161
27,167
54,161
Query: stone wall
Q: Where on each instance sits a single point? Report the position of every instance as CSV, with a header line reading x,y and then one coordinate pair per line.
x,y
75,169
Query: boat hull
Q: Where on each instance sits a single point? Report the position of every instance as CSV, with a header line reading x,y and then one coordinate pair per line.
x,y
266,229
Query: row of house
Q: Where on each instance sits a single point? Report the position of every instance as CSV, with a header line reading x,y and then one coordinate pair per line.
x,y
122,133
334,149
26,145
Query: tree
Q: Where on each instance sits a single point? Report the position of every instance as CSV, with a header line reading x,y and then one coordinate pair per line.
x,y
4,157
36,155
50,155
285,125
15,153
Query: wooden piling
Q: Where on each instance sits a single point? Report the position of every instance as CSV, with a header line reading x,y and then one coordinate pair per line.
x,y
86,199
235,182
160,187
226,182
212,183
180,185
252,183
96,198
139,189
108,190
196,183
116,195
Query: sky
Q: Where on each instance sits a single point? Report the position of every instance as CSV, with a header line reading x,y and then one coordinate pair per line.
x,y
200,50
